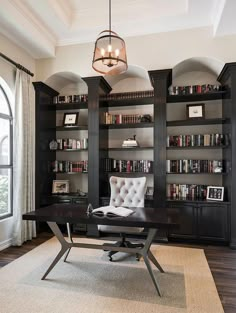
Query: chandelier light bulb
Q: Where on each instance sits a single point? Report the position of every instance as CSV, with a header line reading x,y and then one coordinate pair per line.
x,y
102,52
117,52
109,49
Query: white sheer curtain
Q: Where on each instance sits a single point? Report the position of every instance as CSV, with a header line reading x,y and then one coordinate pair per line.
x,y
23,158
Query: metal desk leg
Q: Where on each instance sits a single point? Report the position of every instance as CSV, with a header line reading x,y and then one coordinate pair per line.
x,y
64,246
154,261
146,253
71,240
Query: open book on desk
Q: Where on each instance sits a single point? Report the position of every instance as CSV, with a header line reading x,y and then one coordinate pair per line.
x,y
112,211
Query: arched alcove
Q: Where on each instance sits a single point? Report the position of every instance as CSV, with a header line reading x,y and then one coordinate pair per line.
x,y
197,70
67,83
135,79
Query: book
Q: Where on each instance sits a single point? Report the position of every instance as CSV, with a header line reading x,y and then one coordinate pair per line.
x,y
112,211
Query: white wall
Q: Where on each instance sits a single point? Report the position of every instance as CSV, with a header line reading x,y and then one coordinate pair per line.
x,y
7,72
151,52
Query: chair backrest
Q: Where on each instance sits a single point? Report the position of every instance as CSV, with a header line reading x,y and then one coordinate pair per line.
x,y
127,192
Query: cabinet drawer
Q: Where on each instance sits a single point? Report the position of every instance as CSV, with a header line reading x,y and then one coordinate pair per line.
x,y
80,200
63,201
79,227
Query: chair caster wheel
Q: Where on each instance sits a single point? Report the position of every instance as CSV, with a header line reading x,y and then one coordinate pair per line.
x,y
137,258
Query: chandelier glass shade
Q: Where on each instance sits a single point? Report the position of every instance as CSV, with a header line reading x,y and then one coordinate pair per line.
x,y
109,55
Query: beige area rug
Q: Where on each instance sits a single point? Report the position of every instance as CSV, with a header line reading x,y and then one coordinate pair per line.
x,y
89,283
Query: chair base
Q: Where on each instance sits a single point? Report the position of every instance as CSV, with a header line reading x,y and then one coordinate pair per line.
x,y
127,244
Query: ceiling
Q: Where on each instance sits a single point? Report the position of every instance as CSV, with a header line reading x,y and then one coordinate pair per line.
x,y
40,26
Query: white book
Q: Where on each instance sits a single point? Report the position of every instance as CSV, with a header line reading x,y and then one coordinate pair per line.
x,y
112,211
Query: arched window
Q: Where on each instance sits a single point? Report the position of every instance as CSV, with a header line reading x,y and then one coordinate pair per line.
x,y
6,167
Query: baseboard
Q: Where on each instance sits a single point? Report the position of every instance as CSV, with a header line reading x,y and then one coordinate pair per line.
x,y
5,244
233,245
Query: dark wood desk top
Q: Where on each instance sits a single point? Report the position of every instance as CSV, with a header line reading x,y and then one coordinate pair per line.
x,y
75,213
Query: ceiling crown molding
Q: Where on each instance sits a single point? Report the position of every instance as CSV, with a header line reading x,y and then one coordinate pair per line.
x,y
26,12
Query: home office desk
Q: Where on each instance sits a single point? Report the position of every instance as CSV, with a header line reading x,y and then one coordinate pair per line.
x,y
74,213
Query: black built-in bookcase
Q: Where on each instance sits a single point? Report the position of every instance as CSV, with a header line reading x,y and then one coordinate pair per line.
x,y
199,220
45,131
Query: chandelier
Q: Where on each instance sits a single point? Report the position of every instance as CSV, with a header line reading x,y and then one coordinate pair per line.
x,y
109,55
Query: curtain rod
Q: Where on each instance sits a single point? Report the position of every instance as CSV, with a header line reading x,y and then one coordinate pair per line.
x,y
19,66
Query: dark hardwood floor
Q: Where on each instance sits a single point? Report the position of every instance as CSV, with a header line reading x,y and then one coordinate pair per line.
x,y
221,260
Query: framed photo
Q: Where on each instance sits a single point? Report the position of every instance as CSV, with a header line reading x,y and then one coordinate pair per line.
x,y
60,186
195,111
149,191
70,119
215,193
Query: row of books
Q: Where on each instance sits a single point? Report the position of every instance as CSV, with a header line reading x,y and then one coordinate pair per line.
x,y
70,99
108,118
69,166
194,166
193,89
198,140
128,95
186,192
127,166
70,143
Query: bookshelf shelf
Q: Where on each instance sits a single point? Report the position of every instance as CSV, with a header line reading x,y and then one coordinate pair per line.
x,y
71,173
197,147
71,106
175,173
128,125
70,150
70,128
192,122
129,148
199,201
127,102
73,194
130,173
217,95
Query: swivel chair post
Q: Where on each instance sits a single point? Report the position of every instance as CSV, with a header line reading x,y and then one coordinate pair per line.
x,y
125,243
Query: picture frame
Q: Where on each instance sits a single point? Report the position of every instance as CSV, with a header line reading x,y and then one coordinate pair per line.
x,y
195,111
70,119
149,191
60,186
215,193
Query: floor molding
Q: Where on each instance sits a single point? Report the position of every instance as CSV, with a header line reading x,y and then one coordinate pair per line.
x,y
5,244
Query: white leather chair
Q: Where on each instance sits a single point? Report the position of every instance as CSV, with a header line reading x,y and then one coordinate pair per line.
x,y
125,192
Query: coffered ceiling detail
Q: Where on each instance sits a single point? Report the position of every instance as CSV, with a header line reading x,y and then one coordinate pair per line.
x,y
40,26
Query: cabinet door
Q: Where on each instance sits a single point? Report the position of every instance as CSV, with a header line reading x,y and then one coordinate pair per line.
x,y
187,220
213,222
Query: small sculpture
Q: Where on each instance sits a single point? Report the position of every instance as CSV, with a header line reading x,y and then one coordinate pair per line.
x,y
53,145
130,142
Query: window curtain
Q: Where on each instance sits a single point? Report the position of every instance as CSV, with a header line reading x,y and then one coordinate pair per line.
x,y
23,158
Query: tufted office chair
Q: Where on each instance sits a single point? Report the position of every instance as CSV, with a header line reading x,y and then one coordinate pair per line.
x,y
126,192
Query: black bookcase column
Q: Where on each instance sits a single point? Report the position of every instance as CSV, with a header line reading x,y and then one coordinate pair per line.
x,y
227,78
96,86
45,131
161,80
